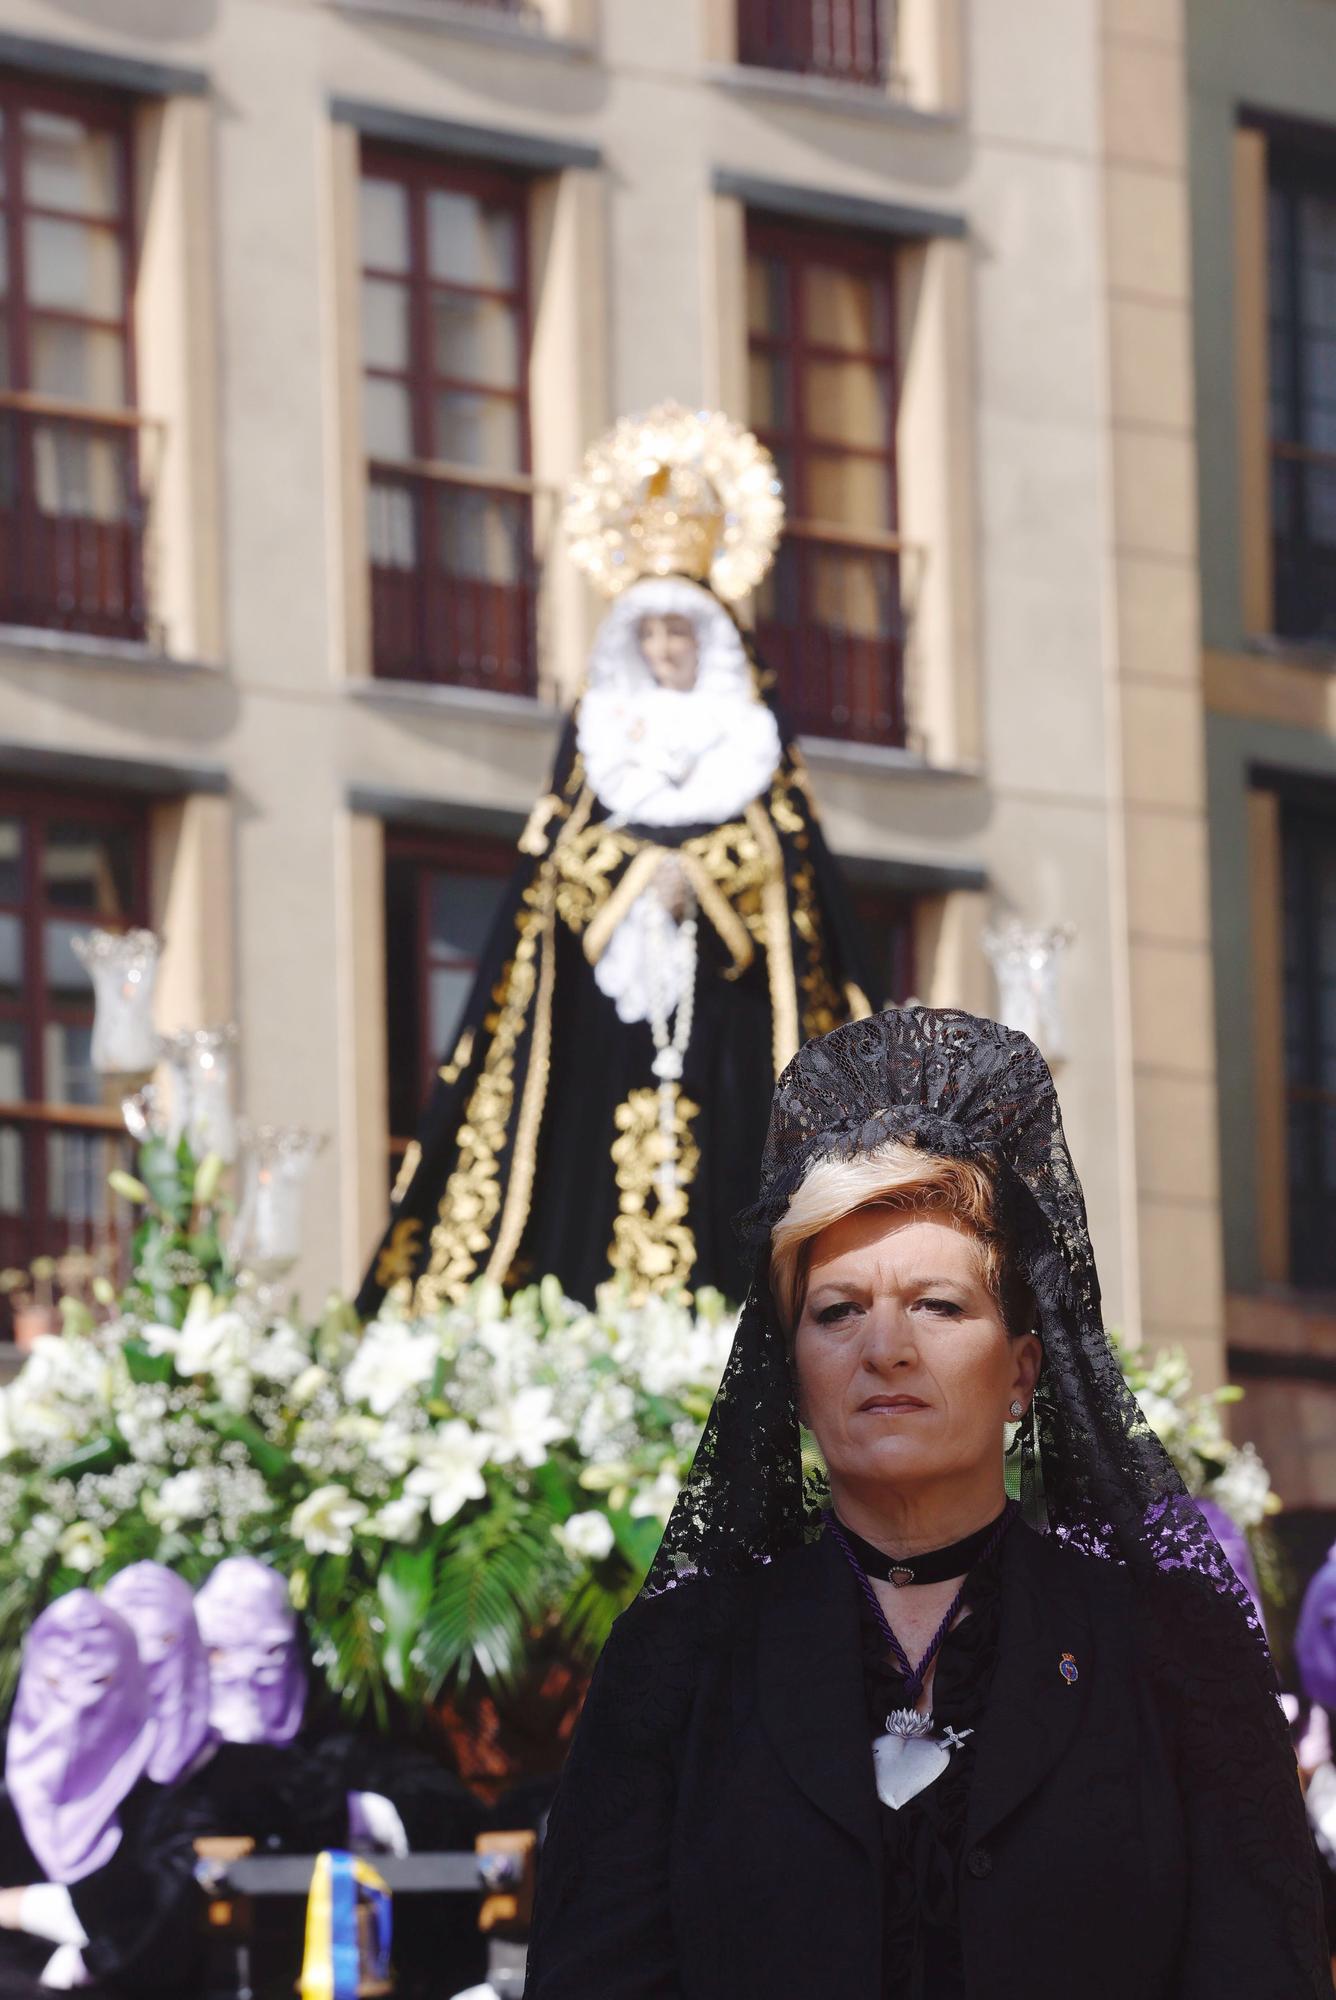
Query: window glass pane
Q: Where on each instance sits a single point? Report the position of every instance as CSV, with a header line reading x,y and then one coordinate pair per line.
x,y
387,417
482,535
849,493
66,979
845,309
392,525
769,391
13,1083
470,243
384,324
384,225
478,430
461,908
11,957
66,164
79,364
476,340
767,296
4,187
848,402
80,474
89,868
73,268
67,1057
11,860
12,1201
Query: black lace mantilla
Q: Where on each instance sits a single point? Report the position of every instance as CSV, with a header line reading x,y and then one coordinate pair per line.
x,y
1092,1470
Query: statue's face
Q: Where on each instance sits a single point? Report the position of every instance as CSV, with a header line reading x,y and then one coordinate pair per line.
x,y
669,648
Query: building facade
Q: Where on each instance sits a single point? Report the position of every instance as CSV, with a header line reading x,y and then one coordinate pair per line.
x,y
312,307
1263,149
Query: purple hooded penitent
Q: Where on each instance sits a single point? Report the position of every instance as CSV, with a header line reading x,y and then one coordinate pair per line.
x,y
1234,1544
159,1608
249,1629
1315,1636
80,1735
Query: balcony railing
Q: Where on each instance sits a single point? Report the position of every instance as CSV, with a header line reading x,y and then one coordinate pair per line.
x,y
73,517
832,624
1303,521
847,41
54,1162
455,576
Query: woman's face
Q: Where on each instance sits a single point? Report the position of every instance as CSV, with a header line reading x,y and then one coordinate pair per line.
x,y
905,1370
669,647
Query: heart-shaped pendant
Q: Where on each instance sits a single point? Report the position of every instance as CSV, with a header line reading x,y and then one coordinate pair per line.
x,y
906,1766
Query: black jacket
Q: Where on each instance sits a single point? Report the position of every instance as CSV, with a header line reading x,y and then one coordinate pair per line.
x,y
1137,1831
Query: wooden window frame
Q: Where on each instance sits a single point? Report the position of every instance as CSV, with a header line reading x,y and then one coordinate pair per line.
x,y
121,613
1295,165
422,174
431,854
35,1112
798,246
1306,819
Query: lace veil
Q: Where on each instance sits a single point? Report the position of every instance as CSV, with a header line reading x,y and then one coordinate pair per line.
x,y
1092,1471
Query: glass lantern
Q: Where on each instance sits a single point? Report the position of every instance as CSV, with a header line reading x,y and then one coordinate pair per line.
x,y
202,1113
1026,960
123,966
267,1235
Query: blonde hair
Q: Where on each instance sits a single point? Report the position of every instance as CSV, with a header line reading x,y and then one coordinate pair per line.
x,y
896,1176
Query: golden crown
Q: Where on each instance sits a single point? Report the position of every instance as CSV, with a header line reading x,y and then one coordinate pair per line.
x,y
676,492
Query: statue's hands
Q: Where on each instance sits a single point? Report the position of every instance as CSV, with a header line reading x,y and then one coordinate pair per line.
x,y
672,888
11,1909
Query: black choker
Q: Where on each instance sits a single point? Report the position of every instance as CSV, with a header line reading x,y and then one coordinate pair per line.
x,y
934,1565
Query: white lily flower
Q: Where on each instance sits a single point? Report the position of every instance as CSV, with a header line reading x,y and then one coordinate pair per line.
x,y
82,1547
524,1427
282,1356
389,1363
448,1471
398,1520
585,1537
659,1497
325,1520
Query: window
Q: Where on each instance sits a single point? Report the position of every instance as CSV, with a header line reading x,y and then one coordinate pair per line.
x,y
441,894
71,515
445,346
848,40
1302,348
821,312
66,864
1309,851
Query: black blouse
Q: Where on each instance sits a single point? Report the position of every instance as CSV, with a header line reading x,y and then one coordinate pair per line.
x,y
922,1840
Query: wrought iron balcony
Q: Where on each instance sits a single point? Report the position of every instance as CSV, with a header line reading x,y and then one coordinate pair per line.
x,y
454,576
73,517
832,625
846,41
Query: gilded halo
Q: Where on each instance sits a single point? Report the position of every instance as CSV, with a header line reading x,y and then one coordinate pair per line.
x,y
676,492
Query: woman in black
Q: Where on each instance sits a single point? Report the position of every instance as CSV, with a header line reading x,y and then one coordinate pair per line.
x,y
899,1737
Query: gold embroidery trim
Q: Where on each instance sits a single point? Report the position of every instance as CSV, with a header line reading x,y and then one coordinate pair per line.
x,y
652,1243
720,912
451,1071
778,941
525,1152
633,884
399,1253
408,1166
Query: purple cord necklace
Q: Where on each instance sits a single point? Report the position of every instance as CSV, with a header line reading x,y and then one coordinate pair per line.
x,y
912,1676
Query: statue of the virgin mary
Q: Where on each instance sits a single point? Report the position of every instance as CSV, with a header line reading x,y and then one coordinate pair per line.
x,y
674,927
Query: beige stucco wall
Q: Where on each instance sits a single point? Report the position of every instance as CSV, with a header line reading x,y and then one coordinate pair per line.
x,y
1053,676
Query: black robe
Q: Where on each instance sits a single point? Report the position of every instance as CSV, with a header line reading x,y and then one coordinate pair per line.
x,y
1134,1830
536,1151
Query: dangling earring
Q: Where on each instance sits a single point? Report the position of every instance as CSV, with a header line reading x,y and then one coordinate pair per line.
x,y
1017,1408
